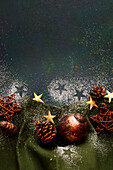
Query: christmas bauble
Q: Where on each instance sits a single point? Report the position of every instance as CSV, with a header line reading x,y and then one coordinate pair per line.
x,y
45,131
73,127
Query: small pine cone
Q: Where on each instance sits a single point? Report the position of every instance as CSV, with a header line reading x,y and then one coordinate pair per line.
x,y
8,127
45,131
98,93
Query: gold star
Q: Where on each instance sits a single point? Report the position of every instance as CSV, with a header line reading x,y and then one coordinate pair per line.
x,y
50,117
38,98
92,103
109,95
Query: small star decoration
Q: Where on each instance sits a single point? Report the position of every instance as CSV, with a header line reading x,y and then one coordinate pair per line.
x,y
50,117
109,95
92,103
38,98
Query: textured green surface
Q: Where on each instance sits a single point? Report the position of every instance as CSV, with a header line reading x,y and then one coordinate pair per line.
x,y
24,151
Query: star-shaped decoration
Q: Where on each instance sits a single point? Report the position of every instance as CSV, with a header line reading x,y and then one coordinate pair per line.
x,y
103,119
20,90
38,98
92,103
61,88
50,117
79,94
109,95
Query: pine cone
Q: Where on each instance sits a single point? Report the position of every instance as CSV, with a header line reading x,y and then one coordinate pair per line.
x,y
45,131
98,93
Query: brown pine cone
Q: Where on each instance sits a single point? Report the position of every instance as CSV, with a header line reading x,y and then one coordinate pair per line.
x,y
45,131
8,127
98,93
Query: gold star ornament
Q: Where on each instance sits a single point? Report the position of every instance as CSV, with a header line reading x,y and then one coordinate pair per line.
x,y
92,103
50,117
109,95
38,98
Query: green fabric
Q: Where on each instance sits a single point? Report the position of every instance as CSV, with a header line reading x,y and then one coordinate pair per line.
x,y
24,151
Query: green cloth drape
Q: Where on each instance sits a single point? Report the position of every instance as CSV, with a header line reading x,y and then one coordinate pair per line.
x,y
24,152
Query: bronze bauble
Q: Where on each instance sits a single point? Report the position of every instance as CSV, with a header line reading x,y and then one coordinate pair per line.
x,y
73,127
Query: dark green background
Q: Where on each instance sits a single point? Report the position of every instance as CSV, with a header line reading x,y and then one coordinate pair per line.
x,y
42,42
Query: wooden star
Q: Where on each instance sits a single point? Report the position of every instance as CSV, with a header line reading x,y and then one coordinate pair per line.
x,y
38,98
92,103
50,117
109,95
